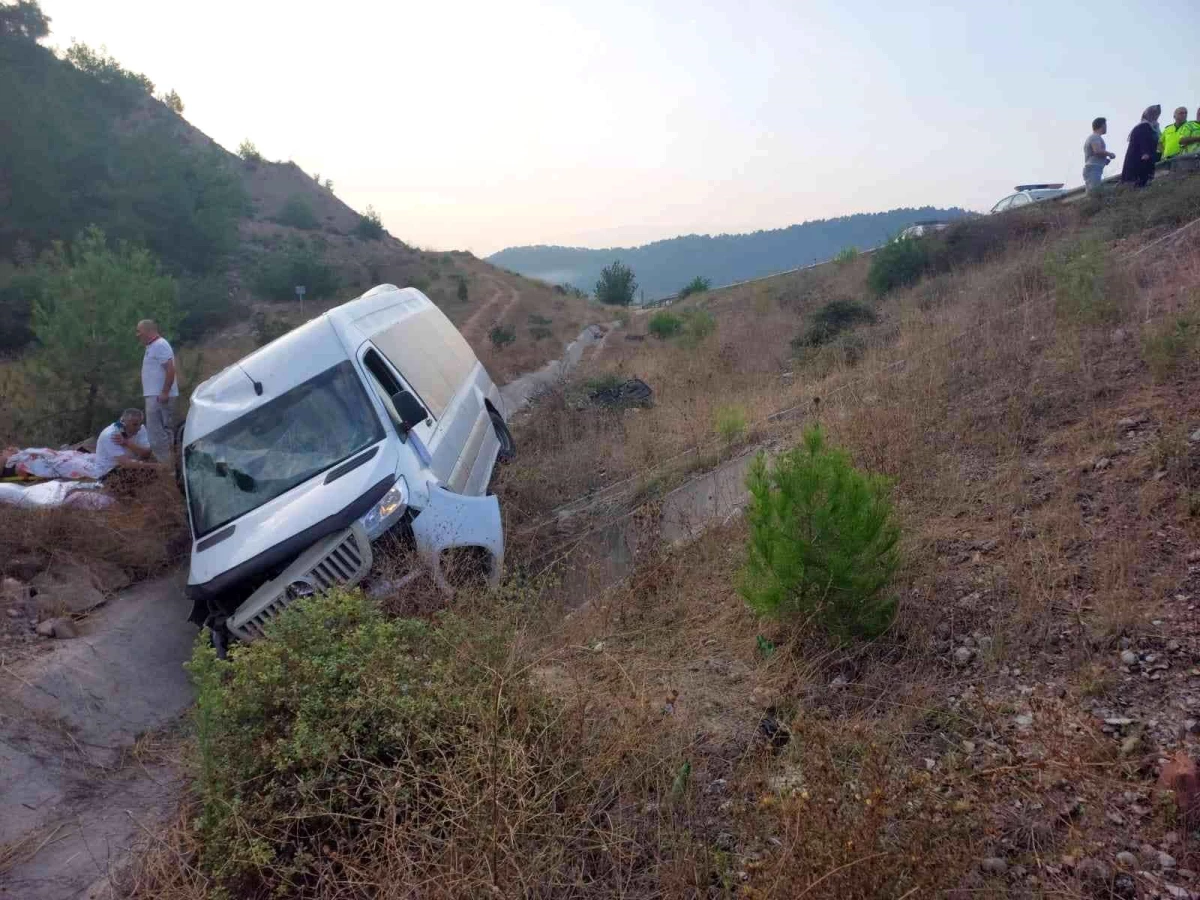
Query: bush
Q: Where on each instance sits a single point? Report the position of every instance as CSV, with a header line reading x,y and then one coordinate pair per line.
x,y
16,310
502,335
823,544
205,305
463,292
538,319
277,275
349,737
1169,345
831,320
697,325
298,213
617,285
248,152
697,285
370,226
665,325
91,297
539,332
845,256
266,328
730,423
897,264
1084,283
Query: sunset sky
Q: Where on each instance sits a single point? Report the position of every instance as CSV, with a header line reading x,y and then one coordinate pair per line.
x,y
481,125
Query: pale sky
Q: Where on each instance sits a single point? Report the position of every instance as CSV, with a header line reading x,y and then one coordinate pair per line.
x,y
477,124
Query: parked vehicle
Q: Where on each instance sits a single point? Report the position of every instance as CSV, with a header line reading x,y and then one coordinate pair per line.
x,y
1027,194
921,229
373,419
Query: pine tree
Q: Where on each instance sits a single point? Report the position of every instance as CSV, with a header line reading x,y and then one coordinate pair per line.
x,y
92,297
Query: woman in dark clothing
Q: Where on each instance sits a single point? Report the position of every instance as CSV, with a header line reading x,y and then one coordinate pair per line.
x,y
1142,153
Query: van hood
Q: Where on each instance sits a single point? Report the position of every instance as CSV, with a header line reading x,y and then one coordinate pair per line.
x,y
282,364
264,536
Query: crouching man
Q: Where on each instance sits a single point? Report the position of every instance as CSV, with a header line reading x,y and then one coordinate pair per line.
x,y
123,452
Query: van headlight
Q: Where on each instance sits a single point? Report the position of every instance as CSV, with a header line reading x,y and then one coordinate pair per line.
x,y
387,512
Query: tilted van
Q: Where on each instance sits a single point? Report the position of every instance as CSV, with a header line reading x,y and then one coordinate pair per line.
x,y
372,419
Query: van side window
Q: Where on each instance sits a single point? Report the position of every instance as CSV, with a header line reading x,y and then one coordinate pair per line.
x,y
385,383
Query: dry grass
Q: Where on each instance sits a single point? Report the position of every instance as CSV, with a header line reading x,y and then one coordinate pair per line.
x,y
145,534
1038,533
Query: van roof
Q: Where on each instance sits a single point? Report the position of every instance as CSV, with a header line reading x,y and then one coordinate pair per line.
x,y
294,357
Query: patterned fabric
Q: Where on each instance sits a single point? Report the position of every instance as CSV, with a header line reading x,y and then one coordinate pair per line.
x,y
42,462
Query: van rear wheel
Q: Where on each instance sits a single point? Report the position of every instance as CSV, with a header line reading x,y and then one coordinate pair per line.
x,y
508,447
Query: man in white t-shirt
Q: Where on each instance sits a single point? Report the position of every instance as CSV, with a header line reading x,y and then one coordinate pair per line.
x,y
160,387
124,444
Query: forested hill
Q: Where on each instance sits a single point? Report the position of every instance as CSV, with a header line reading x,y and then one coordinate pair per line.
x,y
663,267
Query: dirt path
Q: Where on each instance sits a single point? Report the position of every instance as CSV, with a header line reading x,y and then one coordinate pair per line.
x,y
477,324
75,787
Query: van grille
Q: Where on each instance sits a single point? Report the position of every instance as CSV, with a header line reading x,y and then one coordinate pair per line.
x,y
342,559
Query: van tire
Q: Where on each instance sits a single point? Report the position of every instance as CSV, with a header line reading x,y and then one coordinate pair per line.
x,y
508,447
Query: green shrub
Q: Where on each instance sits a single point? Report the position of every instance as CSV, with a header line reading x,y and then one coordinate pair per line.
x,y
617,285
697,325
697,285
502,335
539,332
831,320
897,264
1084,284
665,325
536,319
823,543
298,213
845,256
347,730
205,305
370,226
248,152
17,296
1169,345
730,423
462,291
278,274
266,328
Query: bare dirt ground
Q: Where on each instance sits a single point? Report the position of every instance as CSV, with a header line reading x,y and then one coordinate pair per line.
x,y
79,732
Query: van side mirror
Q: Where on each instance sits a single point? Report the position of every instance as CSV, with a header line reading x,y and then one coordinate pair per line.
x,y
409,408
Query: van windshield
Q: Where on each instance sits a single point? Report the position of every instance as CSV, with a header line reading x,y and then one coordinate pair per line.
x,y
285,442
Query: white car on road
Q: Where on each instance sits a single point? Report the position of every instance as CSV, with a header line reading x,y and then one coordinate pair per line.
x,y
1027,194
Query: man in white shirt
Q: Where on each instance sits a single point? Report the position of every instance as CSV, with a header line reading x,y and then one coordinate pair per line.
x,y
125,444
159,388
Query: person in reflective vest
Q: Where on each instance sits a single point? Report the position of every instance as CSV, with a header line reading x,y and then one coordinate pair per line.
x,y
1168,141
1189,136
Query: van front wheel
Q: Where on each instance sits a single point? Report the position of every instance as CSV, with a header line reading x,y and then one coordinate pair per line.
x,y
508,447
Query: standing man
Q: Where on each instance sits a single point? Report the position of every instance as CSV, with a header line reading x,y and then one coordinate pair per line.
x,y
1095,155
1189,136
1168,141
159,388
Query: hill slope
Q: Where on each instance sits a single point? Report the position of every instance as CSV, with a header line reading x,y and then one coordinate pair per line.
x,y
84,141
663,267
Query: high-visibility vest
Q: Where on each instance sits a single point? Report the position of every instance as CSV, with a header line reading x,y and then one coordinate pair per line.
x,y
1190,129
1168,142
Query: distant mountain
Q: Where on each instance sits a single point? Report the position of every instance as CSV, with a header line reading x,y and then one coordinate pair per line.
x,y
663,267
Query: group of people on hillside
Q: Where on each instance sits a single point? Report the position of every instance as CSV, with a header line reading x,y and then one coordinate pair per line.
x,y
1148,144
138,441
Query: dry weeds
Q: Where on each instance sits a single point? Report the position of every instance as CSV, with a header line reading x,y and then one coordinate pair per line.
x,y
1048,485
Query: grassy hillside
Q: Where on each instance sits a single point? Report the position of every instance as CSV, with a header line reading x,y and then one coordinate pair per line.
x,y
84,141
664,267
623,724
